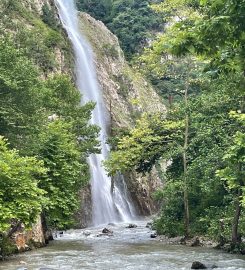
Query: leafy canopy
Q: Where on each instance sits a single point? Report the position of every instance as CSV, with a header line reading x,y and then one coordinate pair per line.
x,y
21,198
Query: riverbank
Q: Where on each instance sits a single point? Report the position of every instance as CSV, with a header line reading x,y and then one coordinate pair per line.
x,y
201,241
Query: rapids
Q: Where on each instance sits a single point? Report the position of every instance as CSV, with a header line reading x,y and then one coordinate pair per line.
x,y
125,249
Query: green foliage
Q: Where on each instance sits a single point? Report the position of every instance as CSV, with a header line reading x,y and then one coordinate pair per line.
x,y
49,17
18,83
36,35
215,149
61,154
99,9
42,118
169,74
133,24
210,134
132,21
234,159
144,145
170,222
6,247
20,197
213,29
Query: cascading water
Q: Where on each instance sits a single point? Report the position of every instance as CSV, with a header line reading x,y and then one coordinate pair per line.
x,y
107,207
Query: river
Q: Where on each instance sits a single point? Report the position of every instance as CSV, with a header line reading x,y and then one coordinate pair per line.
x,y
125,249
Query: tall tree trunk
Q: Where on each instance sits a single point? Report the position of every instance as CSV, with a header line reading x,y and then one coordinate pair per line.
x,y
186,193
237,205
186,199
238,209
46,231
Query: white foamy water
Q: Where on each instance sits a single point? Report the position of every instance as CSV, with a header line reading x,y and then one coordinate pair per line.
x,y
107,206
124,249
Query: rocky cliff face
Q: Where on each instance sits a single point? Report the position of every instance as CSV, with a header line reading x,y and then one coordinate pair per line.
x,y
127,95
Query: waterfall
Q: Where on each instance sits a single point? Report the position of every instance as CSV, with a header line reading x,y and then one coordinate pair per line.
x,y
107,206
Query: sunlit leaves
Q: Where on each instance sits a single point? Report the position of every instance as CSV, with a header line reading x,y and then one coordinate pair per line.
x,y
144,145
234,158
215,32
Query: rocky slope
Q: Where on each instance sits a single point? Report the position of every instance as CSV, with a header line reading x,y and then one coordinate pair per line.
x,y
127,95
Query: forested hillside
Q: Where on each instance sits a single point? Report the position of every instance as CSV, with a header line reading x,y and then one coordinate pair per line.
x,y
132,21
197,64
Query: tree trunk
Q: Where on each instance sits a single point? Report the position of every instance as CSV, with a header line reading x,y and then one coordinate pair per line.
x,y
235,236
46,231
186,194
238,208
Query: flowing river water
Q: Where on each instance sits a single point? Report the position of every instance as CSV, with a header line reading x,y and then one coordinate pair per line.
x,y
127,249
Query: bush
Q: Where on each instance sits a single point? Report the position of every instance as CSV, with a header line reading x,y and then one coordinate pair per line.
x,y
48,16
6,247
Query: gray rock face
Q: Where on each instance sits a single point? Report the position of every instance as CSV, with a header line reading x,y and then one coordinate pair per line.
x,y
126,95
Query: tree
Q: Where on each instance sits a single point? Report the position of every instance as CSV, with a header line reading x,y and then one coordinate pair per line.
x,y
99,9
21,200
213,29
234,173
28,105
66,172
145,144
18,84
49,17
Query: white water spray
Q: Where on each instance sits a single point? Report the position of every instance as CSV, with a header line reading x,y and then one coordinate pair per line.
x,y
107,207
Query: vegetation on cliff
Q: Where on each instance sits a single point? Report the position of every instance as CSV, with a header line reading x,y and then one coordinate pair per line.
x,y
132,21
45,132
198,65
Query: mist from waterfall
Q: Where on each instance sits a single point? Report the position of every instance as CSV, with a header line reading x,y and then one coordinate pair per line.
x,y
107,206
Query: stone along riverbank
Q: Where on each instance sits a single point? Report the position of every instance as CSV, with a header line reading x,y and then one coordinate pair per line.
x,y
123,248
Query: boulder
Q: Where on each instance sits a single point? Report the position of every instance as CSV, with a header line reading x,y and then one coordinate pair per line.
x,y
153,235
195,242
86,233
149,225
198,265
131,226
105,230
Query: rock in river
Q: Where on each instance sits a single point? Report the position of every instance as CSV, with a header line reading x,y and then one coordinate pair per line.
x,y
198,265
131,226
153,235
105,230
